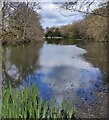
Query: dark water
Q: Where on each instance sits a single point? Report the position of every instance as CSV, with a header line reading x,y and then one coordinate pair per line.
x,y
63,69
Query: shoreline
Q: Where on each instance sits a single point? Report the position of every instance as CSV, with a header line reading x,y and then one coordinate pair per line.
x,y
38,40
22,41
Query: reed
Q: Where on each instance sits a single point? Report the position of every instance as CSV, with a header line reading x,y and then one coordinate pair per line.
x,y
27,104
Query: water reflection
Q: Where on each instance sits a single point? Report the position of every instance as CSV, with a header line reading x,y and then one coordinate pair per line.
x,y
69,70
19,61
68,41
96,54
61,70
57,55
36,78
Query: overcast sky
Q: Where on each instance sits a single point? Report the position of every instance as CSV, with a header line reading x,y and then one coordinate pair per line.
x,y
51,15
50,12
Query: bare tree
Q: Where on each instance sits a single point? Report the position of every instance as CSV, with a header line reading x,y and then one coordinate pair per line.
x,y
85,6
25,18
20,19
7,10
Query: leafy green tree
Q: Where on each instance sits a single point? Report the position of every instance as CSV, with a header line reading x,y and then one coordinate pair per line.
x,y
57,33
53,32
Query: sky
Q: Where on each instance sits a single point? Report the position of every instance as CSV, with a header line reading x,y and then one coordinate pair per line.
x,y
51,15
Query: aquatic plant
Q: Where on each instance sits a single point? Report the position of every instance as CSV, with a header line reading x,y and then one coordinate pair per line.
x,y
26,103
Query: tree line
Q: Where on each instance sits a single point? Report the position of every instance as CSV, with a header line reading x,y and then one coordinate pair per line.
x,y
53,32
93,27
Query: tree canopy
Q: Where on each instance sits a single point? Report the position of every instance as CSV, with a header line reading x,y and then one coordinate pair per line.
x,y
20,20
91,27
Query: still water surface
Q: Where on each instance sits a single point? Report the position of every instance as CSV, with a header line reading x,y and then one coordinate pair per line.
x,y
62,70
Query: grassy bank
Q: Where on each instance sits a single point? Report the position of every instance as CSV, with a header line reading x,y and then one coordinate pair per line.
x,y
27,104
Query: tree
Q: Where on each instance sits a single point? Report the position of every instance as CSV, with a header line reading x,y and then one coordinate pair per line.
x,y
91,27
53,32
94,25
5,17
57,33
20,21
85,6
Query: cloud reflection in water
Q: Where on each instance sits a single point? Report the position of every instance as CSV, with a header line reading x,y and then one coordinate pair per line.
x,y
64,69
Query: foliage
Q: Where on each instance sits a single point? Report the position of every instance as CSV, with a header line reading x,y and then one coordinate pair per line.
x,y
92,27
53,32
71,31
27,104
20,22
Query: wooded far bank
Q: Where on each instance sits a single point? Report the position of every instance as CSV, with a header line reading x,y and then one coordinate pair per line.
x,y
21,24
92,27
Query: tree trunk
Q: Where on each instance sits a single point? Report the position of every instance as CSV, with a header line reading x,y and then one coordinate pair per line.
x,y
3,19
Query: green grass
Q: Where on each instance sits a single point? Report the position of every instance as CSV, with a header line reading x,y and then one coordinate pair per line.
x,y
27,104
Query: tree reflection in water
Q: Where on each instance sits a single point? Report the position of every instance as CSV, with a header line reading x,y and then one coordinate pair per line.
x,y
19,61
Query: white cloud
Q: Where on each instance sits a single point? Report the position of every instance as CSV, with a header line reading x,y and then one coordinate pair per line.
x,y
51,16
